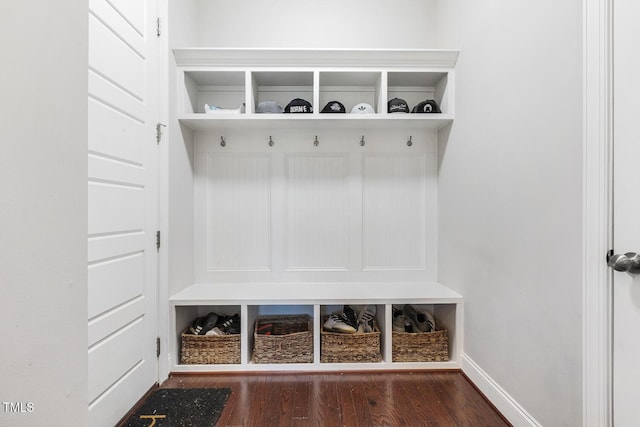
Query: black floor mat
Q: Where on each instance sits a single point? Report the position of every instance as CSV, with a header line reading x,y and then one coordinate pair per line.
x,y
177,407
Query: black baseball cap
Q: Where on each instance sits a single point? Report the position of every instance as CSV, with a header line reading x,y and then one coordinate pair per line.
x,y
334,107
397,105
298,105
428,106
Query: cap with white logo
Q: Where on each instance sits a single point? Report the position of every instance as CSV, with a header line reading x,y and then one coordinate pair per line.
x,y
363,108
397,105
333,107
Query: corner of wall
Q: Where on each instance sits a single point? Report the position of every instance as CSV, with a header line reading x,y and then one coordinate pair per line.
x,y
505,403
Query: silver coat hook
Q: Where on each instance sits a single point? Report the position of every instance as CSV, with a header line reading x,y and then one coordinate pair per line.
x,y
316,142
409,142
362,141
223,143
271,143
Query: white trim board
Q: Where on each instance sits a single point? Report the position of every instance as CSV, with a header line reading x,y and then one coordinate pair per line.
x,y
596,351
506,404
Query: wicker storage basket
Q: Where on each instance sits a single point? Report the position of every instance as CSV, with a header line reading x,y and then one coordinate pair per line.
x,y
336,347
290,341
205,349
420,346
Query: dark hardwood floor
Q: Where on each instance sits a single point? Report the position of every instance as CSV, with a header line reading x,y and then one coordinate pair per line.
x,y
435,399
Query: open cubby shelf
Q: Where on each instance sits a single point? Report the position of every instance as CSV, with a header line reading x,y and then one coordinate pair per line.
x,y
317,300
227,79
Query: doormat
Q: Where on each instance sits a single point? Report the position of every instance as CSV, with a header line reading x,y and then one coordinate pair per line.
x,y
180,407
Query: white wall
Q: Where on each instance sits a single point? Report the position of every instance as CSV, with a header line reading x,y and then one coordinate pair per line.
x,y
510,197
43,212
510,171
336,24
178,158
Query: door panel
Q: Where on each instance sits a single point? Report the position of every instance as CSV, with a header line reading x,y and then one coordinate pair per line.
x,y
108,122
626,369
115,208
108,361
122,210
114,282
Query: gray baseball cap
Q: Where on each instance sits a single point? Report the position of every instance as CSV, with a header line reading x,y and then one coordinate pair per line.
x,y
268,107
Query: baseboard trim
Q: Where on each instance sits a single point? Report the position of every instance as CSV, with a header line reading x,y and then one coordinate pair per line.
x,y
503,402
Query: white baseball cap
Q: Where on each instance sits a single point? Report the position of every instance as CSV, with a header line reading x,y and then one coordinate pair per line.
x,y
363,108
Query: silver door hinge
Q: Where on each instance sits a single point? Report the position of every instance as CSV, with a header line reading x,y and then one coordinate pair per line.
x,y
158,347
158,27
158,240
159,127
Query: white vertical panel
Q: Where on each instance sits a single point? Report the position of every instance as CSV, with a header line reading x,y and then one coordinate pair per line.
x,y
317,212
115,282
107,361
394,212
238,212
133,12
116,60
109,122
114,208
122,211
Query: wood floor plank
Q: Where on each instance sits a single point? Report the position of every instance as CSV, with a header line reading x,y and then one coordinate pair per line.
x,y
327,409
346,404
348,399
381,401
418,404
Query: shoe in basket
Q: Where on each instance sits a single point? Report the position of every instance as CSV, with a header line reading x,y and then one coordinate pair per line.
x,y
365,318
336,323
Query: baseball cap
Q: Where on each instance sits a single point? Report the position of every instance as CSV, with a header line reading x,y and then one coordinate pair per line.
x,y
268,107
333,107
427,106
397,105
212,109
298,105
362,108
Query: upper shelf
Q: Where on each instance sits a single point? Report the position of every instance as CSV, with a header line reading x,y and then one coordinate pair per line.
x,y
292,121
374,58
230,78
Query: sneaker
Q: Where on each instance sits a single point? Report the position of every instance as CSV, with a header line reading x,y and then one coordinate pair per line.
x,y
196,326
431,321
210,322
349,316
398,323
365,318
229,324
215,332
336,323
408,327
419,320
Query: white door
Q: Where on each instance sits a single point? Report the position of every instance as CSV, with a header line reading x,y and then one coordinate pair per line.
x,y
626,215
122,222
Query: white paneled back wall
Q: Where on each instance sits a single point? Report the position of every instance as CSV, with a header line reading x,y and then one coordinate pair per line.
x,y
237,212
317,210
297,211
394,211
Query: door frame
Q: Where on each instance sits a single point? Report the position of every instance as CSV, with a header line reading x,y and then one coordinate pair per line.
x,y
597,213
164,59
